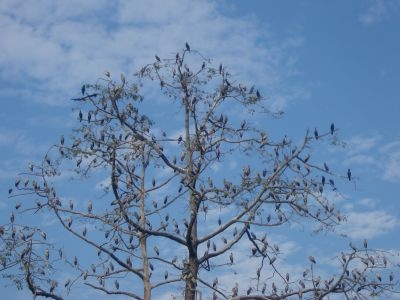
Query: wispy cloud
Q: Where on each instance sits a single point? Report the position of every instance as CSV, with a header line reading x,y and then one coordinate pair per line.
x,y
378,11
359,144
375,155
391,163
48,58
368,224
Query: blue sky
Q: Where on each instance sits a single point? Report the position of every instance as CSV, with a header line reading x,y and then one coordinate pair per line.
x,y
319,61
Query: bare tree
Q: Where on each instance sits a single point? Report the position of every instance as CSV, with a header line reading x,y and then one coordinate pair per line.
x,y
150,223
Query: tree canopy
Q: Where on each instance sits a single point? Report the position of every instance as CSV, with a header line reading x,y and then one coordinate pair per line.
x,y
187,194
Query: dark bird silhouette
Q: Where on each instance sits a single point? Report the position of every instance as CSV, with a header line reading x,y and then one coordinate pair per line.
x,y
235,290
187,46
332,128
312,259
215,282
352,246
80,116
323,180
83,89
157,58
349,174
316,134
76,143
326,167
249,291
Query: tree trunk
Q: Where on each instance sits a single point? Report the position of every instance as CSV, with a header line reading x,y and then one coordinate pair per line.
x,y
142,236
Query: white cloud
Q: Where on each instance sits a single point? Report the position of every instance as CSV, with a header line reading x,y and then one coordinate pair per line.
x,y
368,224
359,144
391,161
375,13
378,11
49,57
368,202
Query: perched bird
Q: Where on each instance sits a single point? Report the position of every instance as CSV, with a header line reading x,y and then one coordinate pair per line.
x,y
316,134
157,58
264,287
332,128
231,258
352,246
83,89
156,250
215,282
76,143
166,275
80,116
90,207
349,174
235,231
326,167
312,259
17,182
365,243
116,283
67,282
53,285
249,290
235,290
187,46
